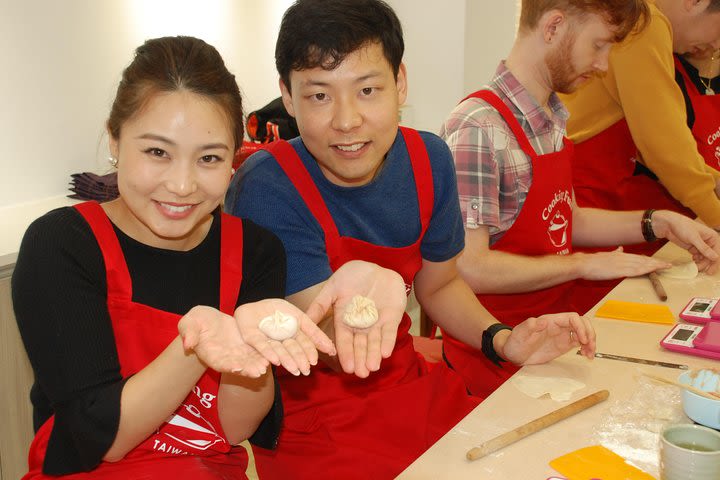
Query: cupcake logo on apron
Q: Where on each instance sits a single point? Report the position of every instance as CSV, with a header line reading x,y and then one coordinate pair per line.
x,y
557,230
557,222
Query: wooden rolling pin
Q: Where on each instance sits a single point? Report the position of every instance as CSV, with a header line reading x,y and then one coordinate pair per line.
x,y
536,425
657,286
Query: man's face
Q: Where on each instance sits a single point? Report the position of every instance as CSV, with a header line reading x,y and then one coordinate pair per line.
x,y
581,53
348,117
696,31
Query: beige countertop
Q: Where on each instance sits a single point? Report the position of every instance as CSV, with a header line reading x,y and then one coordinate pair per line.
x,y
508,408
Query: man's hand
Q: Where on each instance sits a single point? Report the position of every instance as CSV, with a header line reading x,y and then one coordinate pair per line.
x,y
700,240
616,264
360,351
541,339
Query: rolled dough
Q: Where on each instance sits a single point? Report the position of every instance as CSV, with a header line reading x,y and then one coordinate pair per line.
x,y
560,389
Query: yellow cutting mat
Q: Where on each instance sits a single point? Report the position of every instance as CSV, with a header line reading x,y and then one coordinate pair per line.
x,y
597,462
636,312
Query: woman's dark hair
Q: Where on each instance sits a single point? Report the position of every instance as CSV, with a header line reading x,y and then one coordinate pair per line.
x,y
321,33
169,64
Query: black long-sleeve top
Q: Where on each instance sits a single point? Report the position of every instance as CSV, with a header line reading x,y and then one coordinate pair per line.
x,y
695,77
59,292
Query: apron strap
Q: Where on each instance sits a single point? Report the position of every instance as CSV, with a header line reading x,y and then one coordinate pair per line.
x,y
118,277
690,86
292,165
423,175
231,261
505,112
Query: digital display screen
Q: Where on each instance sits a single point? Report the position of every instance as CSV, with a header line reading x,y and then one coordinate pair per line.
x,y
699,307
683,334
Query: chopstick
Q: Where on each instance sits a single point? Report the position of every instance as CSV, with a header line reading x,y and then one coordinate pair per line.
x,y
538,424
702,393
657,286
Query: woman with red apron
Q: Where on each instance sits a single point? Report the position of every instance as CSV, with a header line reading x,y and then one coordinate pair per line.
x,y
131,309
333,420
191,444
706,128
543,227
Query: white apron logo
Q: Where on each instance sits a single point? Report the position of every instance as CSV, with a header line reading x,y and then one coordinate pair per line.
x,y
557,223
713,136
557,230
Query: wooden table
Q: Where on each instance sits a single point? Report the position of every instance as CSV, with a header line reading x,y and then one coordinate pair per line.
x,y
508,408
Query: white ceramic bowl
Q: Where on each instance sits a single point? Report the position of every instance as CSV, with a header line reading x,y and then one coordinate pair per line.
x,y
704,411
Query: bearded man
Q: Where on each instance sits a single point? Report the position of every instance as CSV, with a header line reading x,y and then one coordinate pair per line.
x,y
513,164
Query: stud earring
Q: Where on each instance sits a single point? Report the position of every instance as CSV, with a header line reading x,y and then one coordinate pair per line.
x,y
232,171
112,161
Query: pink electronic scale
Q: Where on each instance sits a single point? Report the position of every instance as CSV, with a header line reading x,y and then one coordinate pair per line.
x,y
701,340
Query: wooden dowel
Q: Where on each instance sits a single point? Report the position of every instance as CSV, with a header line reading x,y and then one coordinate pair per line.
x,y
657,286
536,425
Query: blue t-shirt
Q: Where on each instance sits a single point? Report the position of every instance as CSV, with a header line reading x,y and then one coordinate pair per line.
x,y
383,212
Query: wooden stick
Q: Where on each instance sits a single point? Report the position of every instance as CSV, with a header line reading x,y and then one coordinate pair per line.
x,y
657,286
702,393
536,425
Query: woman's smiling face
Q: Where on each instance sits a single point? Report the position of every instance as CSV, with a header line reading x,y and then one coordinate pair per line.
x,y
174,166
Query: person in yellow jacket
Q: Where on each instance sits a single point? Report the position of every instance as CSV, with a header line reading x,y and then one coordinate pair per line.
x,y
635,114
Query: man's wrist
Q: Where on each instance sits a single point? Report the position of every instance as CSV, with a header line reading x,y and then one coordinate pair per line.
x,y
493,342
646,226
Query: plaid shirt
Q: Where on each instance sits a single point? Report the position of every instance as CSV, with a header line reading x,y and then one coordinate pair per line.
x,y
493,173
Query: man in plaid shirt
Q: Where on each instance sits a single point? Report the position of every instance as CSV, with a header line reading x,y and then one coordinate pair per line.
x,y
515,186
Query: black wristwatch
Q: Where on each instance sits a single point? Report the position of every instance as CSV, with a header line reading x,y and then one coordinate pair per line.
x,y
487,342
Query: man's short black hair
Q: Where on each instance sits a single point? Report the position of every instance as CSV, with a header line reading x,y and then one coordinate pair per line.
x,y
321,33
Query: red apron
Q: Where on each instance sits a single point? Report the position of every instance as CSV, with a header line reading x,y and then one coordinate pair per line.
x,y
706,128
333,421
191,444
602,174
543,227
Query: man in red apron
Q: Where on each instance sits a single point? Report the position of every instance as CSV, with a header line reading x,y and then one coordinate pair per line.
x,y
703,107
354,186
515,183
635,114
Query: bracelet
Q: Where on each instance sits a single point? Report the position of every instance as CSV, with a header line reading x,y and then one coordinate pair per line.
x,y
487,347
646,226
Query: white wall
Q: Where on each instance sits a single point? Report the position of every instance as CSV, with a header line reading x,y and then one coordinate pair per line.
x,y
62,61
489,34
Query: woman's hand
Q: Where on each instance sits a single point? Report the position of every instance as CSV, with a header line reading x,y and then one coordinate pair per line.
x,y
360,351
216,340
296,354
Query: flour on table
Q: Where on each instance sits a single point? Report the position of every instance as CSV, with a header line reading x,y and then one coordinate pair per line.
x,y
560,389
682,271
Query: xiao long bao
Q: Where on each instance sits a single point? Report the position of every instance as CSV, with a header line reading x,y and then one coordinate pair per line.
x,y
279,326
360,312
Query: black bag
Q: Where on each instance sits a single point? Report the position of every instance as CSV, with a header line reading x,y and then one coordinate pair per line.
x,y
274,113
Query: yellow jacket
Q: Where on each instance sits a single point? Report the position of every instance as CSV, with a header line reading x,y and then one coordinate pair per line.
x,y
640,87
